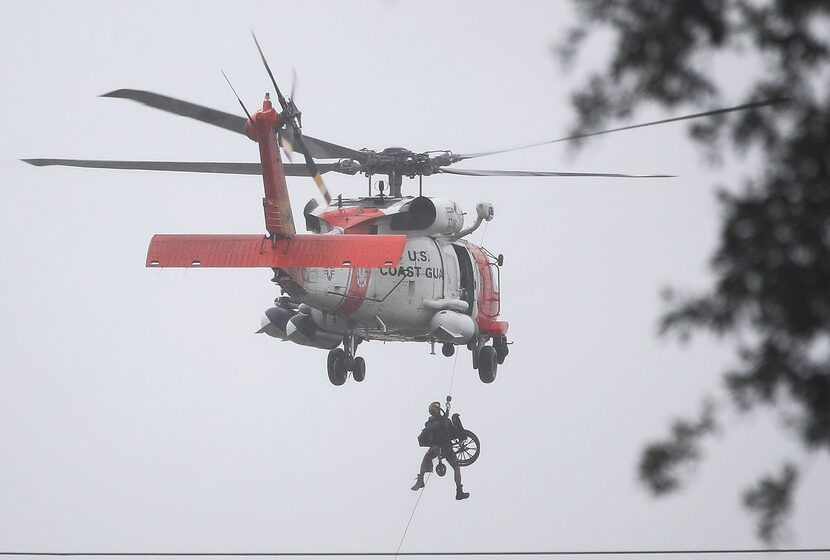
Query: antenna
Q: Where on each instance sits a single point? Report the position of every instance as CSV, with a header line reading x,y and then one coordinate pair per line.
x,y
247,114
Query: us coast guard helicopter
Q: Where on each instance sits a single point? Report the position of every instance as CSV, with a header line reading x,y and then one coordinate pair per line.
x,y
383,267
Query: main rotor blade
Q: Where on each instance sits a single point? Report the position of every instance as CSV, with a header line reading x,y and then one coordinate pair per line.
x,y
319,148
294,170
744,107
502,173
207,115
322,149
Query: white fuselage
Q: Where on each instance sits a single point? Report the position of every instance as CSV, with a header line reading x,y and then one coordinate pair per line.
x,y
437,292
388,304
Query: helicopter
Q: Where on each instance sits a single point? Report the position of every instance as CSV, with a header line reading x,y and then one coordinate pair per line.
x,y
383,267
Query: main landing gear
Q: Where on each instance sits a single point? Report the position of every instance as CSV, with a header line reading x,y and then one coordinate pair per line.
x,y
487,364
341,361
486,359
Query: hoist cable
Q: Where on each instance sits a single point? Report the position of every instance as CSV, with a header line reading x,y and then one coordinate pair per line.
x,y
452,377
484,233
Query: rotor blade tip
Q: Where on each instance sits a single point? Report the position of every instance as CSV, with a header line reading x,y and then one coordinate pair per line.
x,y
114,93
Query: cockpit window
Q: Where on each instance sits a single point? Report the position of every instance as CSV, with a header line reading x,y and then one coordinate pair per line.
x,y
495,275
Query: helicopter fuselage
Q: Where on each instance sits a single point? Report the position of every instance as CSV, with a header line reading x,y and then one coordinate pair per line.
x,y
443,290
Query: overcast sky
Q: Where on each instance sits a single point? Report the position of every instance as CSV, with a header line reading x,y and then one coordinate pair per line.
x,y
138,409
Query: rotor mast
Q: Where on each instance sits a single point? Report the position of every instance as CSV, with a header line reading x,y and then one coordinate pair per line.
x,y
395,182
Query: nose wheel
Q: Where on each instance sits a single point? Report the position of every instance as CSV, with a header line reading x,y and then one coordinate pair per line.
x,y
340,362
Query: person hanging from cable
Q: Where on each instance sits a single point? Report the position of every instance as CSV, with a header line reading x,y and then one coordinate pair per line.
x,y
436,435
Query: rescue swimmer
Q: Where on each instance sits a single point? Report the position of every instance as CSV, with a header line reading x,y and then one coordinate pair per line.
x,y
437,435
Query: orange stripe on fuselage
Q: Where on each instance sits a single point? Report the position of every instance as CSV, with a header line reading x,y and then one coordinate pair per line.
x,y
356,294
352,219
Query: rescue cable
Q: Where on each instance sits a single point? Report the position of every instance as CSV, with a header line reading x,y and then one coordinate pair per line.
x,y
484,233
452,377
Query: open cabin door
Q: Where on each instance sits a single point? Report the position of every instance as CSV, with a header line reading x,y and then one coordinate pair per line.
x,y
467,278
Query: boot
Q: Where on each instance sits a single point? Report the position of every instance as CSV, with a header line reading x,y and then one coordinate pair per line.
x,y
419,482
460,494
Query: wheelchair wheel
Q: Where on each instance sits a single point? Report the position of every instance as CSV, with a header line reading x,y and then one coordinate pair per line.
x,y
440,469
466,449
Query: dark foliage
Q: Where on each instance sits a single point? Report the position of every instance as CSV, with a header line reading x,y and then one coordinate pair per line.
x,y
773,260
771,499
661,461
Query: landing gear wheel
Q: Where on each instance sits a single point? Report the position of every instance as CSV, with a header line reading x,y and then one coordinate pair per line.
x,y
487,364
334,353
448,349
359,369
440,469
466,449
337,371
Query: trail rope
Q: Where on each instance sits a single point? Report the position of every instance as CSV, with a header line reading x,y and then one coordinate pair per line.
x,y
418,501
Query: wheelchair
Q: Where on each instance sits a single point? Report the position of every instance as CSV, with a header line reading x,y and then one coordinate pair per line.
x,y
465,446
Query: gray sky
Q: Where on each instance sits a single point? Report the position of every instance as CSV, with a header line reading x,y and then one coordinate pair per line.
x,y
139,411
